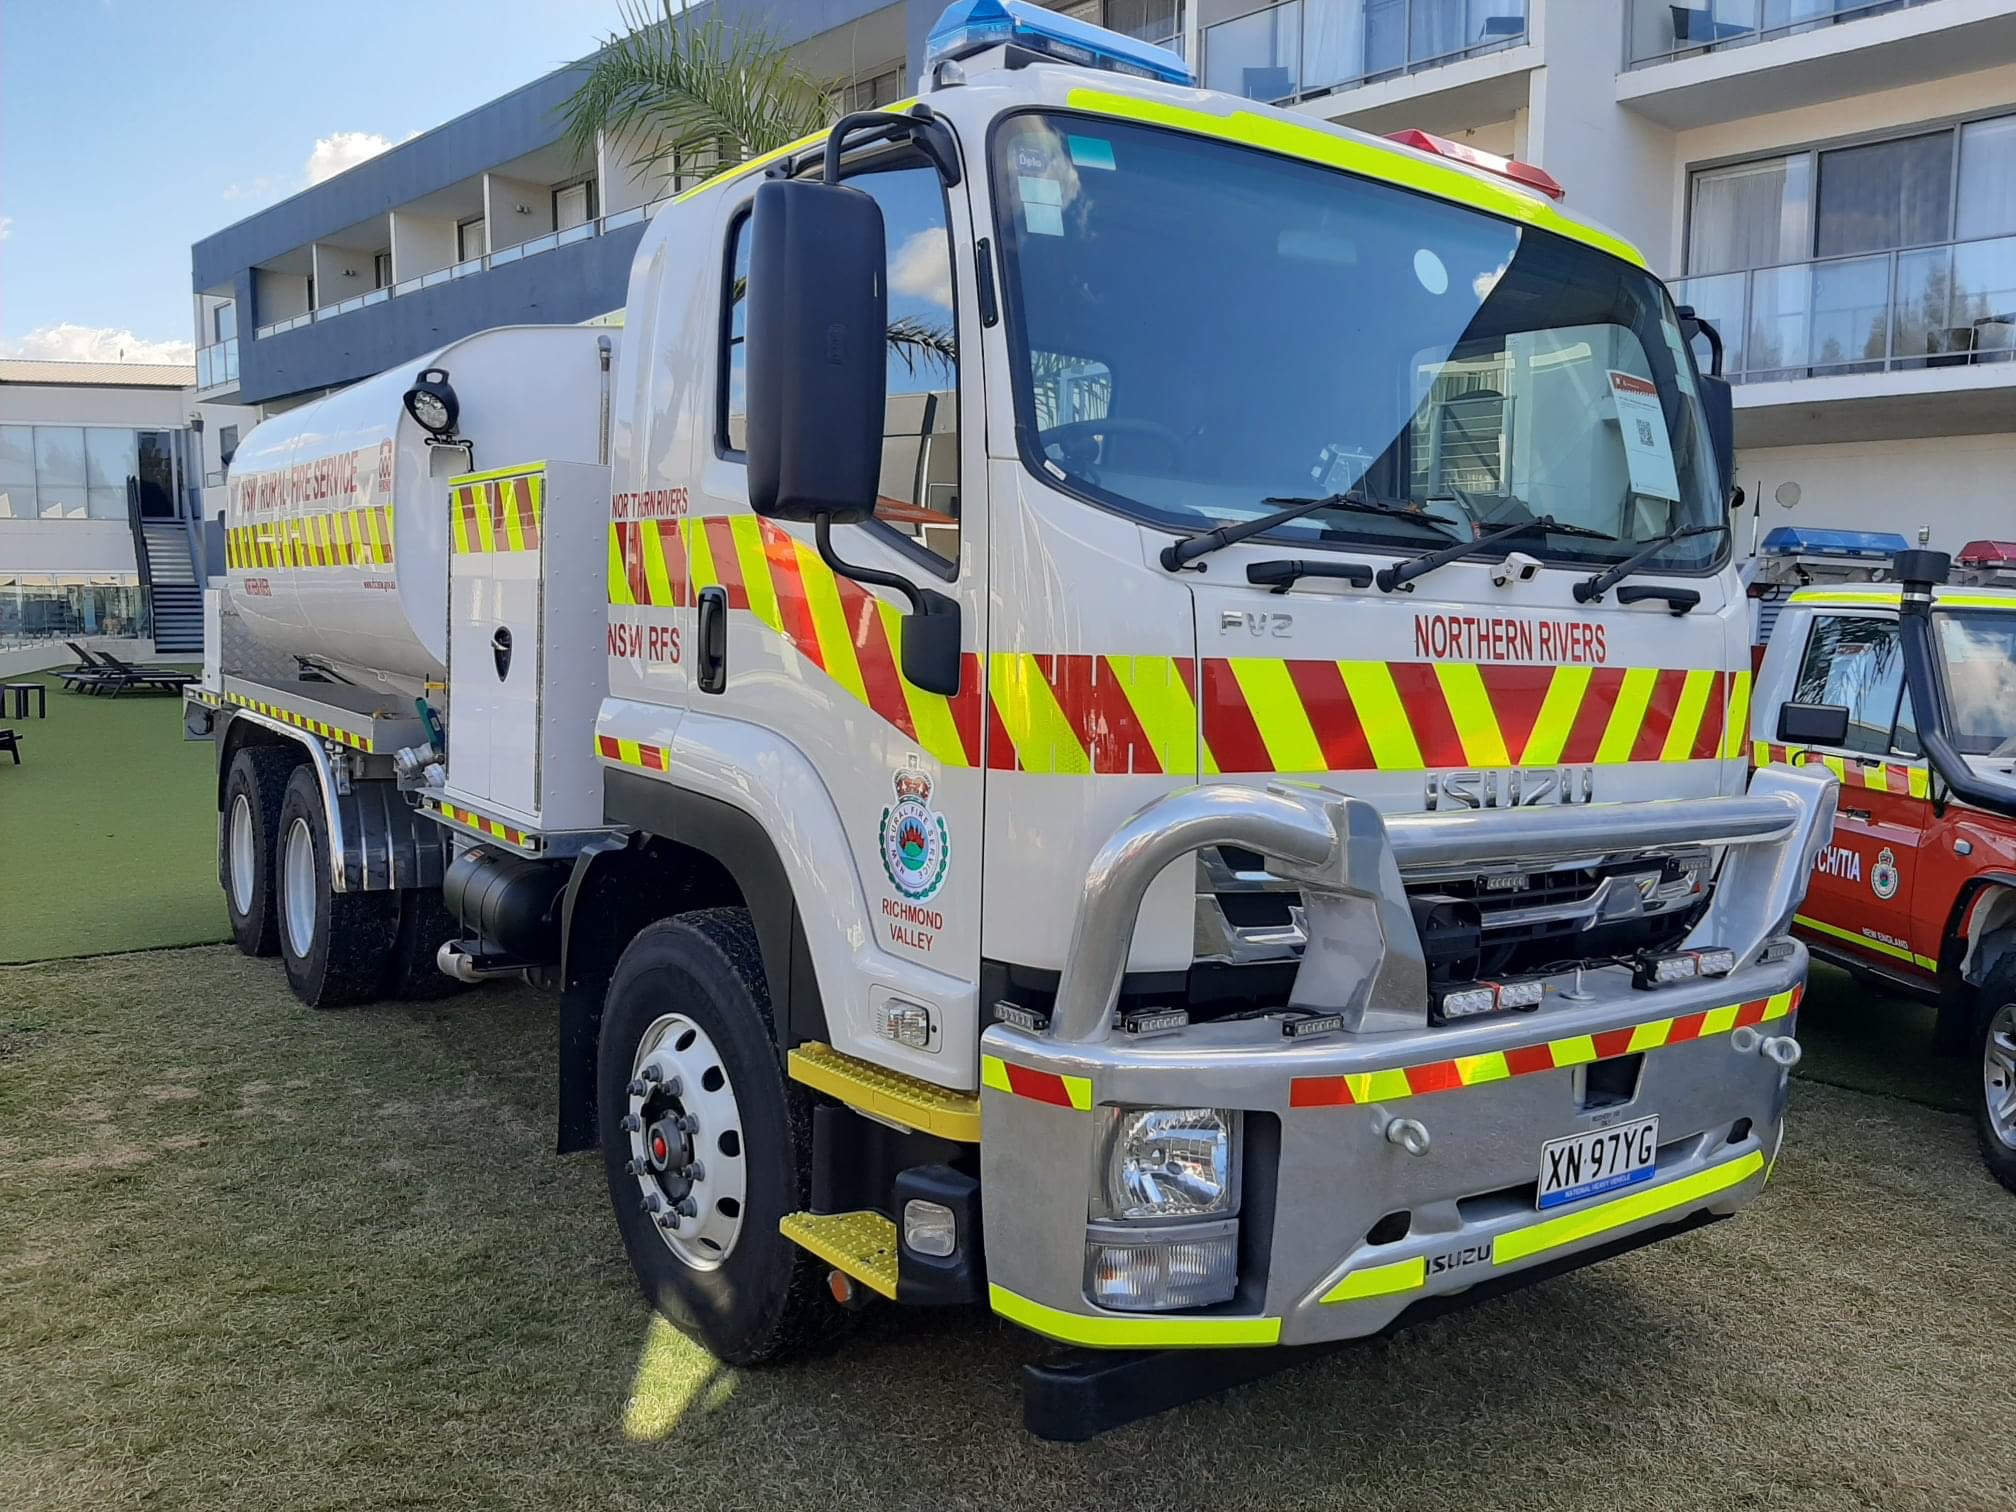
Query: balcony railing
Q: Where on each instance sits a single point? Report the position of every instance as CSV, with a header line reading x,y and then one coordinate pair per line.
x,y
1922,307
217,363
586,231
1313,47
1661,29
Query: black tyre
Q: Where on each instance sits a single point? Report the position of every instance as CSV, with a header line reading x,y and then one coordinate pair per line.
x,y
334,945
424,926
1995,1071
689,1004
247,830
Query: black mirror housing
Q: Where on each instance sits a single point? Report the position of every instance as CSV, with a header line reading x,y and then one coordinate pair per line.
x,y
1813,724
817,351
1718,408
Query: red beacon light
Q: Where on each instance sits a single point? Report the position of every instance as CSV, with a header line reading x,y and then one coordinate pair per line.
x,y
1987,554
1525,174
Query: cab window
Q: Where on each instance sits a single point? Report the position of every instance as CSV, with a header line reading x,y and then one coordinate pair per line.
x,y
918,493
1855,661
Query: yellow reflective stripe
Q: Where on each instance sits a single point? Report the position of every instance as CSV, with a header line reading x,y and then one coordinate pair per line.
x,y
1835,764
1079,1090
829,622
1760,754
1556,720
619,580
1380,1086
514,527
1162,707
1470,709
1114,1331
1777,1006
1876,779
535,491
1278,713
1044,739
930,713
1576,1050
1737,730
1687,716
747,533
1477,1069
1719,1020
1361,156
1649,1036
700,556
1388,731
1865,598
486,525
994,1074
1627,715
1920,781
1881,947
1380,1280
657,585
1573,1228
371,529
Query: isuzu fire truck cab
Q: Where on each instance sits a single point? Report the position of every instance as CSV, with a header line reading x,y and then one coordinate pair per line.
x,y
1903,685
1173,675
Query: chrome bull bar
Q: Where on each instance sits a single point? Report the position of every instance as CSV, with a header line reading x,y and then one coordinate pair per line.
x,y
1363,957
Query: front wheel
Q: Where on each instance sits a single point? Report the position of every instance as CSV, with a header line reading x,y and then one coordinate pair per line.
x,y
706,1144
1995,1046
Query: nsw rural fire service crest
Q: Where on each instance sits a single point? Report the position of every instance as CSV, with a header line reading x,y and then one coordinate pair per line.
x,y
1883,877
915,849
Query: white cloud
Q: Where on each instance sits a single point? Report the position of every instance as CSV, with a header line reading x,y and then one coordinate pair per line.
x,y
922,268
341,150
6,226
258,188
76,343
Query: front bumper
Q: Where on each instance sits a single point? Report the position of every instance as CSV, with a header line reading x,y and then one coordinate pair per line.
x,y
1319,1170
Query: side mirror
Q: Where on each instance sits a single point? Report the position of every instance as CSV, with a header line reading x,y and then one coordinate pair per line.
x,y
1718,408
1813,724
818,338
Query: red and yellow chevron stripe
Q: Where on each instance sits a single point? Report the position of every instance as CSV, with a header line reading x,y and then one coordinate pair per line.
x,y
634,753
500,511
1059,1091
1474,1070
483,825
1088,714
1881,777
359,537
319,727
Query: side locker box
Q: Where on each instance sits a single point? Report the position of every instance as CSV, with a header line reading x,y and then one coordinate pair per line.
x,y
526,655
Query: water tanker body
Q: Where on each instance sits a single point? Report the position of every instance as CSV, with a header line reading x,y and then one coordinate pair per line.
x,y
337,516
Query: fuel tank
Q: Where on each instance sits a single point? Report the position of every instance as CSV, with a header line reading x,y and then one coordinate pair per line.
x,y
337,525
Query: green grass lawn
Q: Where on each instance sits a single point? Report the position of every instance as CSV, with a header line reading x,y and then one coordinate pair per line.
x,y
254,1256
108,830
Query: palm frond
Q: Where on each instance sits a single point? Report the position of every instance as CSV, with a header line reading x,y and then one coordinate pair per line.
x,y
918,341
669,86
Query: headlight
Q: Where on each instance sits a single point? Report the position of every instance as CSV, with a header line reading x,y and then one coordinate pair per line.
x,y
1166,1163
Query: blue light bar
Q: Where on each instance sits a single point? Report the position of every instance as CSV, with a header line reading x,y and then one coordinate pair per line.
x,y
1797,540
971,26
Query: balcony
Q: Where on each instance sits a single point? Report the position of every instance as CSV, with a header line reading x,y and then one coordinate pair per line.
x,y
1920,341
1690,63
217,364
1305,49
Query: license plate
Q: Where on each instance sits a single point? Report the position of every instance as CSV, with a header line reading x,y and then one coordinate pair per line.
x,y
1581,1165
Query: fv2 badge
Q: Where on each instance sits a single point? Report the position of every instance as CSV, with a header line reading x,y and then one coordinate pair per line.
x,y
915,848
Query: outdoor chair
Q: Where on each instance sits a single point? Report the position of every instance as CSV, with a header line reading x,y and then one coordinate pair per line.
x,y
125,675
11,742
88,674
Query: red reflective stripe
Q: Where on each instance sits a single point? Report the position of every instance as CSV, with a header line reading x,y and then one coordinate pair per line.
x,y
1598,699
966,705
1001,754
633,562
1659,712
1612,1043
1437,1076
1751,1013
652,757
879,677
1714,720
780,547
608,746
1037,1086
1517,695
1686,1027
1093,703
727,565
528,522
1332,715
1229,729
678,572
1529,1058
1319,1092
1428,712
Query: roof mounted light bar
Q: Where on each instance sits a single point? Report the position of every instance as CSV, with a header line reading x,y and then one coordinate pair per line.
x,y
971,26
1525,175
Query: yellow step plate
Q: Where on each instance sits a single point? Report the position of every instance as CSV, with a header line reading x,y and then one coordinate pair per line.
x,y
888,1094
861,1244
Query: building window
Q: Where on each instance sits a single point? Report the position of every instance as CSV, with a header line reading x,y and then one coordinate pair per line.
x,y
224,322
84,472
573,204
873,91
111,459
381,269
227,443
471,239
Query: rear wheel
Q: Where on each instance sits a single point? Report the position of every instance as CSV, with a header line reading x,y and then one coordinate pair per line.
x,y
411,969
706,1144
334,945
1995,1045
254,789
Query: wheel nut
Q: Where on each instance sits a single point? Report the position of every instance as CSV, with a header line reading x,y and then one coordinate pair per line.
x,y
653,1074
652,1203
631,1123
686,1207
694,1172
686,1123
636,1167
668,1220
636,1087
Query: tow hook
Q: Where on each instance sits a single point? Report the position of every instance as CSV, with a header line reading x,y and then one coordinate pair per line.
x,y
1408,1133
1780,1049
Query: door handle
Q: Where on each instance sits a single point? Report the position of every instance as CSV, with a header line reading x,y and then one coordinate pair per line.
x,y
500,652
710,661
1865,815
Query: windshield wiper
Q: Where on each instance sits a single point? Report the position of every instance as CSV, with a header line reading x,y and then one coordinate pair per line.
x,y
1400,574
1179,554
1591,590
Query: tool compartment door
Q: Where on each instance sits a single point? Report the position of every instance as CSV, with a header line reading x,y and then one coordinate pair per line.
x,y
495,587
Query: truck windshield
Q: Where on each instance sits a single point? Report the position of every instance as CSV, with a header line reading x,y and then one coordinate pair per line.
x,y
1979,649
1198,327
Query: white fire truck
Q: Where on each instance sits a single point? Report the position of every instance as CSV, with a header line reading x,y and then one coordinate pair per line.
x,y
1102,653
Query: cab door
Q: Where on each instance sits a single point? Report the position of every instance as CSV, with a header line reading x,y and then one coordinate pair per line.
x,y
1860,896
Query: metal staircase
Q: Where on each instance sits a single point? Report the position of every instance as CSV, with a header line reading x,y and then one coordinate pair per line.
x,y
176,591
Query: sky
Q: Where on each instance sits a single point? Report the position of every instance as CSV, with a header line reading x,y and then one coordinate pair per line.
x,y
130,129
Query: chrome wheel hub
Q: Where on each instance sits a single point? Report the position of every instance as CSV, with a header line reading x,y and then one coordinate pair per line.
x,y
238,854
1998,1073
297,888
685,1134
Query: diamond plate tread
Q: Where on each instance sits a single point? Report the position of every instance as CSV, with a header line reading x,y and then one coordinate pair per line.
x,y
886,1094
861,1244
